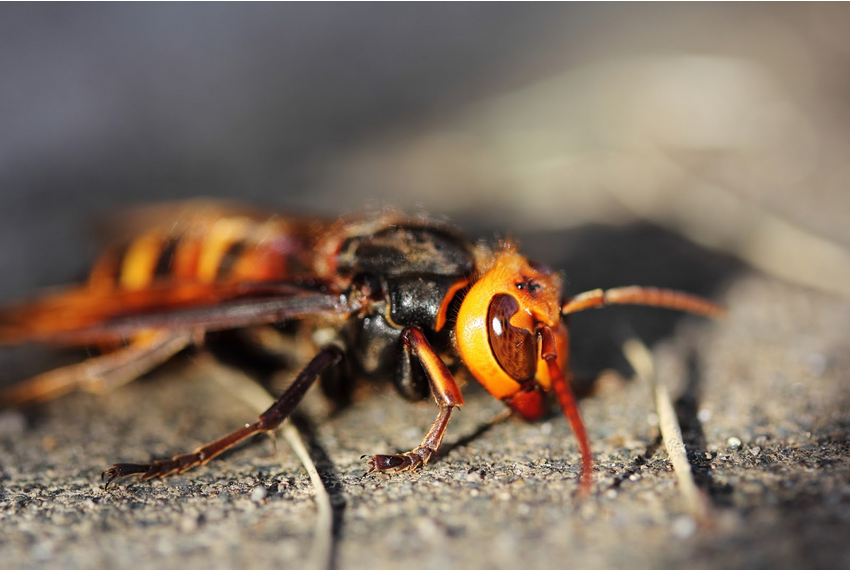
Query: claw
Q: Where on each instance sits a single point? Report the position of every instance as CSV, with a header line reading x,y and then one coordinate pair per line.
x,y
160,468
112,477
398,463
122,470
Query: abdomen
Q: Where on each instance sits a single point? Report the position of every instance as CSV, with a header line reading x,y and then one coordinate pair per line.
x,y
209,246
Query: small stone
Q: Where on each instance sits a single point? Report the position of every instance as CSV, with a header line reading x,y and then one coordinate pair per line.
x,y
733,442
165,547
684,526
474,476
429,530
189,523
259,493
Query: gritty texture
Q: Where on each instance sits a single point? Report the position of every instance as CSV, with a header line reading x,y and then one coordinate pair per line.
x,y
577,128
762,398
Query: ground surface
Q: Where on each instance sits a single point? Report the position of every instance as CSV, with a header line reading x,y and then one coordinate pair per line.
x,y
598,123
762,397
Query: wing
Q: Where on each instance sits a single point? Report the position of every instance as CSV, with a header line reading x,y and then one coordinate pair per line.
x,y
81,315
190,216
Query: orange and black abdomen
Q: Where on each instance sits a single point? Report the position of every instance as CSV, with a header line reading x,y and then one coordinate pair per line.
x,y
208,249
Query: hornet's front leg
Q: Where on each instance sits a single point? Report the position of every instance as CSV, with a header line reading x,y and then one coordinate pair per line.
x,y
446,393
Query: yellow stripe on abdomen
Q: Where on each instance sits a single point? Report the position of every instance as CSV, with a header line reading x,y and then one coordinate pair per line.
x,y
222,235
139,263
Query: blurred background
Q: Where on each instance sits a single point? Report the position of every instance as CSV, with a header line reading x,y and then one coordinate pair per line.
x,y
725,125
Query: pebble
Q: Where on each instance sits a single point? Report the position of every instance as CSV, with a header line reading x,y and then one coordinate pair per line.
x,y
474,476
684,526
259,493
189,523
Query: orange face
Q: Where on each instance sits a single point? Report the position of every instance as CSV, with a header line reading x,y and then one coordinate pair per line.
x,y
498,322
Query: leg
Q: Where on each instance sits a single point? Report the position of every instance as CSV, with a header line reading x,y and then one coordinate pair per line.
x,y
100,374
445,391
267,422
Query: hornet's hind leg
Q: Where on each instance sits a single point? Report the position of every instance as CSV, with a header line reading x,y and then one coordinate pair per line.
x,y
100,374
268,421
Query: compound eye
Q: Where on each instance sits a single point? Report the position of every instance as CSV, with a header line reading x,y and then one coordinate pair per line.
x,y
515,348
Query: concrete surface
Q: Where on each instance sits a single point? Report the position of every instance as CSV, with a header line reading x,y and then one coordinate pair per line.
x,y
762,396
583,129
